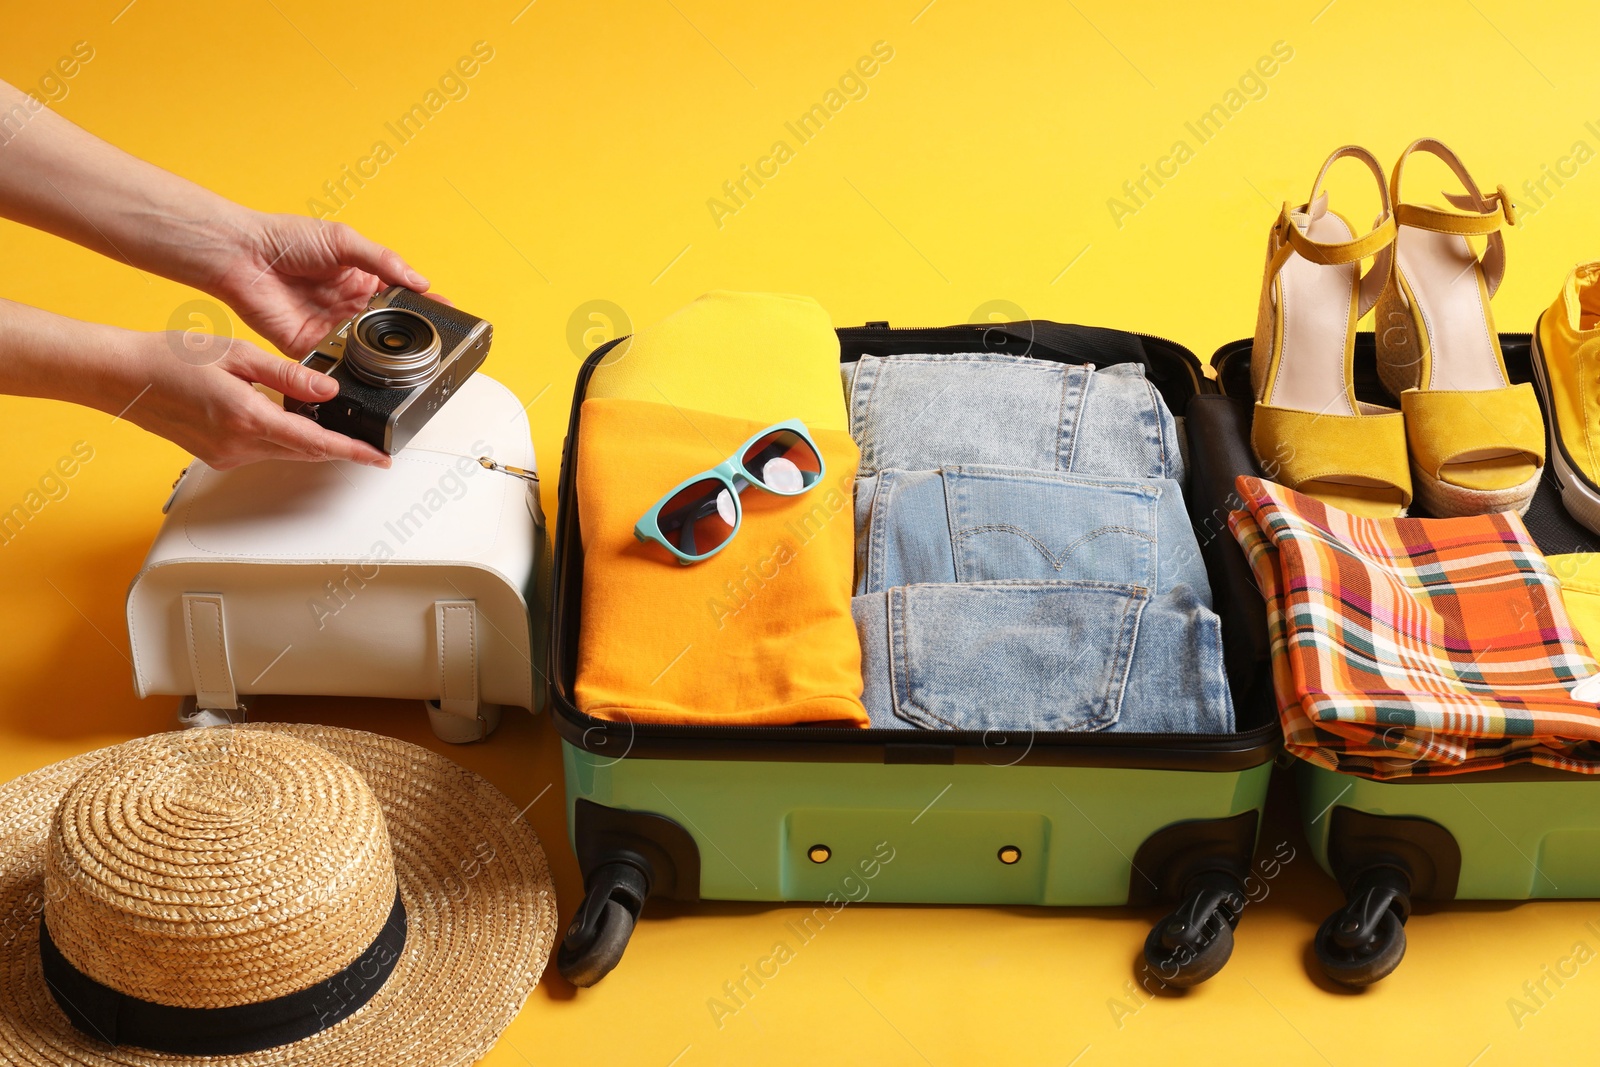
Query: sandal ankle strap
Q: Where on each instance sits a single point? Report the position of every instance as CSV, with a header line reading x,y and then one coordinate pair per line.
x,y
1376,244
1480,215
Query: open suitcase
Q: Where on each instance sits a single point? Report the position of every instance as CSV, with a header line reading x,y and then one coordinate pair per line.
x,y
1513,834
756,813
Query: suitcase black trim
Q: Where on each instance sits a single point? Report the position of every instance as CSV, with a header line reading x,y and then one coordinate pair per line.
x,y
1174,371
1425,852
663,851
1179,852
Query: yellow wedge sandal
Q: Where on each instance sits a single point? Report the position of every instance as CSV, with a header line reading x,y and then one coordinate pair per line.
x,y
1477,441
1309,431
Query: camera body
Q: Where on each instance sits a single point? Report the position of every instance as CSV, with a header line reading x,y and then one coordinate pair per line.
x,y
396,363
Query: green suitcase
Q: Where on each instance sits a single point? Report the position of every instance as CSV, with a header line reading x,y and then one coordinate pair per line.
x,y
818,814
1514,834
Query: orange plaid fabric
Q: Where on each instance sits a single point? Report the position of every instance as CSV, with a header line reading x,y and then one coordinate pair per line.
x,y
1408,647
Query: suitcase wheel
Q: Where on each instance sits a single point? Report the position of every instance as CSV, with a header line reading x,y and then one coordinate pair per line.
x,y
607,942
1365,940
600,930
1191,944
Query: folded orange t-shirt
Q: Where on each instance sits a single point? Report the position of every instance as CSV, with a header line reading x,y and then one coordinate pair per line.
x,y
761,632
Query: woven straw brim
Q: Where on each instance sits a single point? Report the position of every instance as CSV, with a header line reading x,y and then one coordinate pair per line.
x,y
479,900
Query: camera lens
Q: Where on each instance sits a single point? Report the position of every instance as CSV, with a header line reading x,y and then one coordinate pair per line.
x,y
393,348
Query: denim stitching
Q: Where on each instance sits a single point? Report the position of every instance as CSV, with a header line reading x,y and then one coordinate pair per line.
x,y
1085,383
859,422
1160,427
1047,477
1056,562
899,663
863,545
1132,643
882,496
1070,438
954,516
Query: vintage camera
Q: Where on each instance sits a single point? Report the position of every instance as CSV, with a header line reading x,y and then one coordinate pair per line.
x,y
396,363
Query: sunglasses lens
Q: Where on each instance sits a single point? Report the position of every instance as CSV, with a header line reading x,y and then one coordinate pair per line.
x,y
699,518
783,462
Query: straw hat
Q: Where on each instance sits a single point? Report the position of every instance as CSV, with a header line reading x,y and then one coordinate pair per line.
x,y
264,895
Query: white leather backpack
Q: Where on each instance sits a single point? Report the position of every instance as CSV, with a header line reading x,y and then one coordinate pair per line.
x,y
419,582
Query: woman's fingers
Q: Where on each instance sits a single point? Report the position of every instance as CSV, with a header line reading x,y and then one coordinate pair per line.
x,y
354,250
304,438
245,360
308,441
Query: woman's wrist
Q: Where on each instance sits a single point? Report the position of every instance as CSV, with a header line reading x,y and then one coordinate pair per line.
x,y
104,367
194,241
64,180
47,355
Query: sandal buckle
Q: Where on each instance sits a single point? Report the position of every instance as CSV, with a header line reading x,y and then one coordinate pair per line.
x,y
1507,207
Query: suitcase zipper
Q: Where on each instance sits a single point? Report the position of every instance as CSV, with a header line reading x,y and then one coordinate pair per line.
x,y
516,472
883,324
487,464
1260,743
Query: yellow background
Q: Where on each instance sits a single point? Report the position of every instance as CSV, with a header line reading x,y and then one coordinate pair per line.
x,y
977,168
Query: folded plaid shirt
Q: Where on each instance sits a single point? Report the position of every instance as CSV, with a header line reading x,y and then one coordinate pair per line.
x,y
1406,647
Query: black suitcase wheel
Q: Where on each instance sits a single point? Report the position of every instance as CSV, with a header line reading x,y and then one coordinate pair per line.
x,y
600,930
1178,959
585,966
1365,940
1191,945
1373,957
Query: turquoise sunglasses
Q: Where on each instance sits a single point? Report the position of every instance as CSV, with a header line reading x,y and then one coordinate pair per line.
x,y
698,518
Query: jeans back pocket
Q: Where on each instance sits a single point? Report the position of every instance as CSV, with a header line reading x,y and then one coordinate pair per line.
x,y
1007,524
920,412
1011,655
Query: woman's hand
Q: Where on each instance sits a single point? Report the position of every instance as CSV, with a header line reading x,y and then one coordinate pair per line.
x,y
196,390
212,409
292,279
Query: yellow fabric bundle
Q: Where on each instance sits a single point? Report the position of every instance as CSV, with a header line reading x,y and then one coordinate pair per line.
x,y
761,356
760,633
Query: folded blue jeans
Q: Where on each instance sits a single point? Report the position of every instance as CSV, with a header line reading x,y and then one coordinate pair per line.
x,y
918,412
976,523
1025,560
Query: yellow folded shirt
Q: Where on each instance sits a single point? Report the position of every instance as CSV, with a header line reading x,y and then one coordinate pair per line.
x,y
761,356
760,633
1579,574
